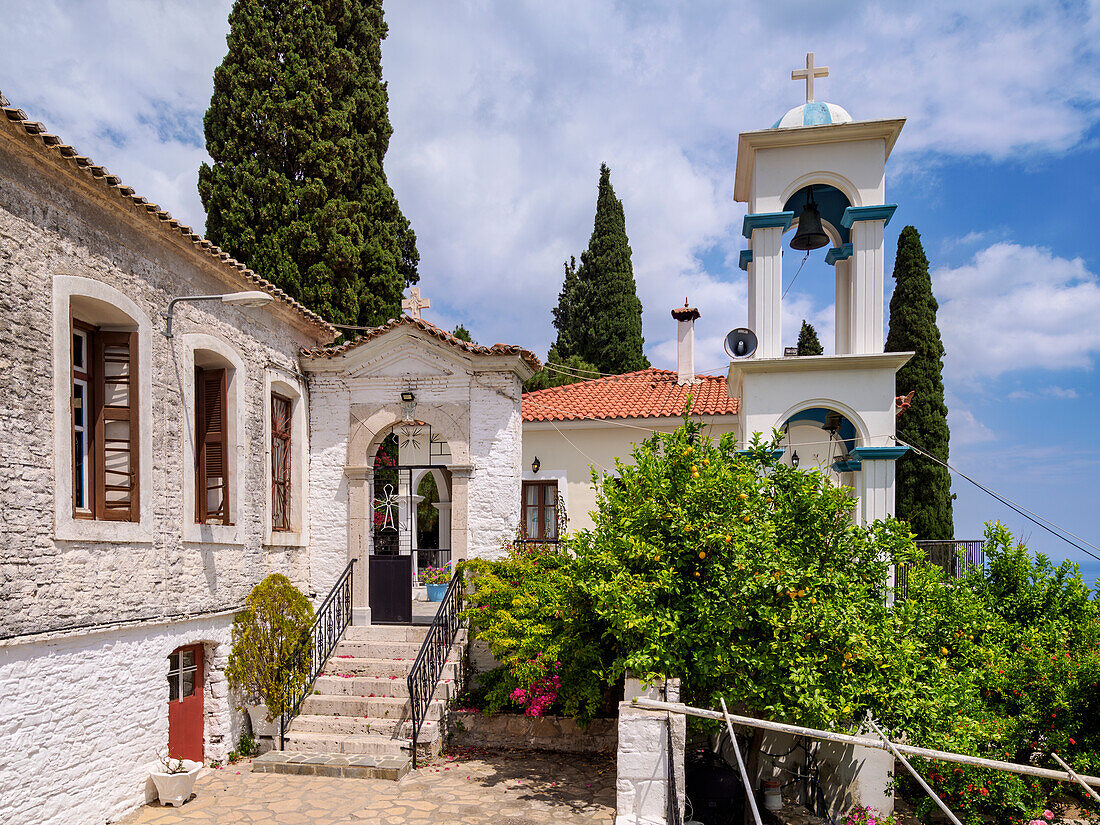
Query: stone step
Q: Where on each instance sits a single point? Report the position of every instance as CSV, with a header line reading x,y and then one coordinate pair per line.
x,y
358,766
367,744
382,668
362,726
376,707
393,633
372,686
377,650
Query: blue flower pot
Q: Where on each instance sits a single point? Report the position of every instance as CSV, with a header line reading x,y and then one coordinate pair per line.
x,y
436,592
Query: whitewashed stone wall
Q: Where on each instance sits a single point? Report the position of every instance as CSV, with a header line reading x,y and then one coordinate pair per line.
x,y
642,787
328,484
496,433
50,228
84,715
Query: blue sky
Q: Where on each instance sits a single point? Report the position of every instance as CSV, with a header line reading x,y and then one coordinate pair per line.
x,y
504,110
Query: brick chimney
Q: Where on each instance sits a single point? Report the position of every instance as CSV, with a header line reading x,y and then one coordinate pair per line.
x,y
685,343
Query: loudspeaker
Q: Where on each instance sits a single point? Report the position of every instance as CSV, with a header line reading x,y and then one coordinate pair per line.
x,y
741,343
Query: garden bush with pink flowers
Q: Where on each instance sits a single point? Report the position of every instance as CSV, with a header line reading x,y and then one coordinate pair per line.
x,y
750,582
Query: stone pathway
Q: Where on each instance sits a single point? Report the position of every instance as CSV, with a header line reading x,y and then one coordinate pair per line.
x,y
511,788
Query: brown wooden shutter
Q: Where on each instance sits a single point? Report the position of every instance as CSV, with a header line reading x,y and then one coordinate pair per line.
x,y
116,431
211,447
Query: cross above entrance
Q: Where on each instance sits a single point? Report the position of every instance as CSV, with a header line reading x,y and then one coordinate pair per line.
x,y
809,73
414,303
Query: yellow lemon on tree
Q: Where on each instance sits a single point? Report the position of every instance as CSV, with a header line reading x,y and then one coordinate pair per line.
x,y
696,574
742,496
702,554
943,650
747,519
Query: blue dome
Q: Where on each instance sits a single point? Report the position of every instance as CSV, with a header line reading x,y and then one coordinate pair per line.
x,y
813,114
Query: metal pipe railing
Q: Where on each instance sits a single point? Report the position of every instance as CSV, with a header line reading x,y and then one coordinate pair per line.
x,y
865,742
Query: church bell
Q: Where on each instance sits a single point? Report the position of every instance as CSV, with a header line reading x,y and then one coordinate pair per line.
x,y
810,235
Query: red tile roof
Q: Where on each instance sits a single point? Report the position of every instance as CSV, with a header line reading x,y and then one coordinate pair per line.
x,y
159,218
436,332
650,393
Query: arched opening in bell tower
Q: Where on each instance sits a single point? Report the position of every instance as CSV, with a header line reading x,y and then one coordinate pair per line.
x,y
812,277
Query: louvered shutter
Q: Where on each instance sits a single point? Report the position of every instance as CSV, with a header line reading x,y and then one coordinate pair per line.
x,y
116,426
211,447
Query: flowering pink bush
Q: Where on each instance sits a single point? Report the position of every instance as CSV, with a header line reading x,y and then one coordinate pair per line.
x,y
537,698
861,815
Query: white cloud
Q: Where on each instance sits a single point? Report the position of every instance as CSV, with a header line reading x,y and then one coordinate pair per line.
x,y
1060,393
1016,307
504,110
966,428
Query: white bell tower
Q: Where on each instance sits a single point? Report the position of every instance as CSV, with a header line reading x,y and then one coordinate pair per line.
x,y
839,408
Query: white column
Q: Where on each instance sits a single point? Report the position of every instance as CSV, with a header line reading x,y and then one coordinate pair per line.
x,y
843,307
642,769
867,286
766,290
460,498
876,489
444,508
360,525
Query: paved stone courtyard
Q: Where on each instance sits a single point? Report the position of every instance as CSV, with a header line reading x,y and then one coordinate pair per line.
x,y
509,788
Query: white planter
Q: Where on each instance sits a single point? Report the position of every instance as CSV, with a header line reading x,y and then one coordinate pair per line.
x,y
175,788
260,726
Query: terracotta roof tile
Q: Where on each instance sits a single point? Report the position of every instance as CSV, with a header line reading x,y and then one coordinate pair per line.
x,y
52,144
650,393
436,332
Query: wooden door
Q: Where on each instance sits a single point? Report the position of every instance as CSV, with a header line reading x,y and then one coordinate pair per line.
x,y
185,716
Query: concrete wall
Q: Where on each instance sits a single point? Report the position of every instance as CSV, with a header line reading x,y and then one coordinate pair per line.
x,y
548,733
567,451
84,714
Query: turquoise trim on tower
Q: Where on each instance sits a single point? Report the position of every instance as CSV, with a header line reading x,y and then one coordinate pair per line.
x,y
838,253
745,259
850,465
816,114
776,454
879,453
868,213
763,220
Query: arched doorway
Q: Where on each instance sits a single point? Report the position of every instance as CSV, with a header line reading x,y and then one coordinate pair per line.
x,y
411,516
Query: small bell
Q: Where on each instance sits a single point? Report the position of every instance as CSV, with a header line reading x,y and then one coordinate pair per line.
x,y
810,235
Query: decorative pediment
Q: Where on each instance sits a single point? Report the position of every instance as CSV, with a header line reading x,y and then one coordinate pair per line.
x,y
403,355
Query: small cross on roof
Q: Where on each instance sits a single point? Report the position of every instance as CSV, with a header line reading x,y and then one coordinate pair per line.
x,y
808,74
414,303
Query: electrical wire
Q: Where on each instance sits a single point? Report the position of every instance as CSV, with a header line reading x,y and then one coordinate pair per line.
x,y
795,278
1018,508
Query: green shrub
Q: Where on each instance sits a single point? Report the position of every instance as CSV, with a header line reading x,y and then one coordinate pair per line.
x,y
270,658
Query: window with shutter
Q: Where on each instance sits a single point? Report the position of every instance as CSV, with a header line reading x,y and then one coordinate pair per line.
x,y
540,510
105,424
280,462
211,447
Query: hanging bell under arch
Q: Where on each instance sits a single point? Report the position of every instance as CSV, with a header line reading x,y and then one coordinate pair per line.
x,y
810,235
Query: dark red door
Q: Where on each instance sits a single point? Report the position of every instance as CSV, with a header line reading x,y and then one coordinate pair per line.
x,y
185,716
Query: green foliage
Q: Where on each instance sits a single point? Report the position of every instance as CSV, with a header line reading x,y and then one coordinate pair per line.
x,y
269,660
246,747
1022,641
807,341
463,334
599,316
923,487
559,371
529,609
298,129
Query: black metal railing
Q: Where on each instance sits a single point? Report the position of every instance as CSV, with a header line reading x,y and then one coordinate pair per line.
x,y
956,557
302,669
431,557
428,667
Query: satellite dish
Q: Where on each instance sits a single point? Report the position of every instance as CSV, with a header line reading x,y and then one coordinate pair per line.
x,y
741,343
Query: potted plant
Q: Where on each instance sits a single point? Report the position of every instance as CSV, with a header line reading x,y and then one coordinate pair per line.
x,y
435,581
272,651
174,778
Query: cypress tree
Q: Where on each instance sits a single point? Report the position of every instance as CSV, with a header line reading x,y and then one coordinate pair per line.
x,y
599,316
559,371
807,341
923,487
298,128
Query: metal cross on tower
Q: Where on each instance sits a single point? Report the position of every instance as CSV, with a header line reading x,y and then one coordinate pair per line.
x,y
414,303
809,73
